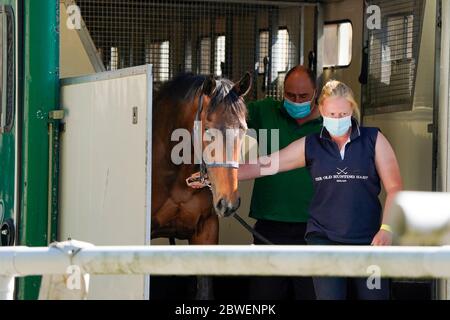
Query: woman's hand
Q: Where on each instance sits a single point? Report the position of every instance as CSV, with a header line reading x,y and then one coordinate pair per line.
x,y
382,238
194,181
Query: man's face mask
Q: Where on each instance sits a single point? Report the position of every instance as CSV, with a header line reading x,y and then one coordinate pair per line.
x,y
298,110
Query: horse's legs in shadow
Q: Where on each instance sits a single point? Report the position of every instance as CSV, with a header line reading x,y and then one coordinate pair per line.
x,y
205,290
208,233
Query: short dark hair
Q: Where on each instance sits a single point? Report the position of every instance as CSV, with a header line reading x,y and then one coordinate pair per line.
x,y
300,68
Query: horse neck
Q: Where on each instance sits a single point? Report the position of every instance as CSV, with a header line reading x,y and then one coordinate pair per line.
x,y
168,121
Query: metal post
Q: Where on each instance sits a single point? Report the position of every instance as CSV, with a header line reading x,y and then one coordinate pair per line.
x,y
212,53
318,45
273,54
6,287
435,125
228,46
256,56
40,96
301,49
443,121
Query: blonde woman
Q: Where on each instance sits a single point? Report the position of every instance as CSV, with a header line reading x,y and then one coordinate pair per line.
x,y
347,163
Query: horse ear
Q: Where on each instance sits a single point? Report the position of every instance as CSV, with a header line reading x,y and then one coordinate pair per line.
x,y
243,86
209,85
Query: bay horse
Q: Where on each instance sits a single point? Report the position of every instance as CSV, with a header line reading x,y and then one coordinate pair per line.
x,y
179,211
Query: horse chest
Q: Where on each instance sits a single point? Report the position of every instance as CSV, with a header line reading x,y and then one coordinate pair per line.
x,y
197,202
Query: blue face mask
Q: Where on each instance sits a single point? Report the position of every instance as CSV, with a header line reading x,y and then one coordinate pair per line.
x,y
297,110
337,126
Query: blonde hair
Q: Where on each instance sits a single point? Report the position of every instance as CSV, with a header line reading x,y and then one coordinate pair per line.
x,y
335,88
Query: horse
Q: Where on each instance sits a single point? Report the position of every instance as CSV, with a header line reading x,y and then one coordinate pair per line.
x,y
197,105
179,211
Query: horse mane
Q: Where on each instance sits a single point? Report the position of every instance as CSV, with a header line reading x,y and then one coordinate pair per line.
x,y
185,87
182,88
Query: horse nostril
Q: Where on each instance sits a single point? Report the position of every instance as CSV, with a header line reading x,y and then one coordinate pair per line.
x,y
226,207
221,204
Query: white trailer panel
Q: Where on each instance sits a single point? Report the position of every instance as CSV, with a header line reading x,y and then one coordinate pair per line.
x,y
106,168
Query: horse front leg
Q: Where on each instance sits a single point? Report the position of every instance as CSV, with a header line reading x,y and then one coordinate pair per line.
x,y
207,233
163,216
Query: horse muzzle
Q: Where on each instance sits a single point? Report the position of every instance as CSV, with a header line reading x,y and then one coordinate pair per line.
x,y
225,208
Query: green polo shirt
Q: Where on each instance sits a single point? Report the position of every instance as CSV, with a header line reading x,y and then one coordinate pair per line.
x,y
285,196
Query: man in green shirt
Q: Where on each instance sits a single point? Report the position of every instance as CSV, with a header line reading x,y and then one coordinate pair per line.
x,y
280,202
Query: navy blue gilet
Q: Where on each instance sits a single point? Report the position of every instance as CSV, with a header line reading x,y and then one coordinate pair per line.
x,y
345,205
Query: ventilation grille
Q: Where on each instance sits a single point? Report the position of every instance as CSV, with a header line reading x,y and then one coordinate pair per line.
x,y
393,56
220,38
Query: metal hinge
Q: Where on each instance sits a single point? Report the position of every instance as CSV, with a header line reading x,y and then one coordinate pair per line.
x,y
56,114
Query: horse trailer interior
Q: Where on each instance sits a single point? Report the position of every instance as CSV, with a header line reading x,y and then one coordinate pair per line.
x,y
393,70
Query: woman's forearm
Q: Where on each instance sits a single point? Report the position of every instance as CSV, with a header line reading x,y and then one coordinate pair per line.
x,y
291,157
388,204
389,172
249,171
265,166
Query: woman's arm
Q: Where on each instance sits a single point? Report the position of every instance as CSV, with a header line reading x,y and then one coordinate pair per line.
x,y
389,172
291,157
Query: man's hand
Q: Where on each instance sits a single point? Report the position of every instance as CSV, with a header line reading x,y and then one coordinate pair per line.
x,y
382,238
194,181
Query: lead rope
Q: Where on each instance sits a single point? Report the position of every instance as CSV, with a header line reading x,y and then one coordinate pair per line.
x,y
250,229
203,180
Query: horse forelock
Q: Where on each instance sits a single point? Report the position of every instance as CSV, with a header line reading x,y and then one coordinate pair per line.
x,y
228,100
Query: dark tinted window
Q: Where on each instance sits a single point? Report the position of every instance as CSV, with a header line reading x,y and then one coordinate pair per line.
x,y
7,68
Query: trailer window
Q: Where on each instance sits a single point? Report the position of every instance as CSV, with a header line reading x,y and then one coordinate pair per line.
x,y
337,44
188,57
393,52
114,63
220,55
263,49
280,50
400,36
205,56
157,54
7,68
398,47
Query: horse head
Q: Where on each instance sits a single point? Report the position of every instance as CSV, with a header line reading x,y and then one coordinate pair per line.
x,y
222,125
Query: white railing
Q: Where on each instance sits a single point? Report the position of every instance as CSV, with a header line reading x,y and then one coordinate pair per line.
x,y
410,262
393,261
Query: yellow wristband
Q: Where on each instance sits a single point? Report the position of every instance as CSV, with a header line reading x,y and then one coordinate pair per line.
x,y
386,227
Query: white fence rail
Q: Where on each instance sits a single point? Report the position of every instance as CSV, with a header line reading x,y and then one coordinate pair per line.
x,y
417,216
411,262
